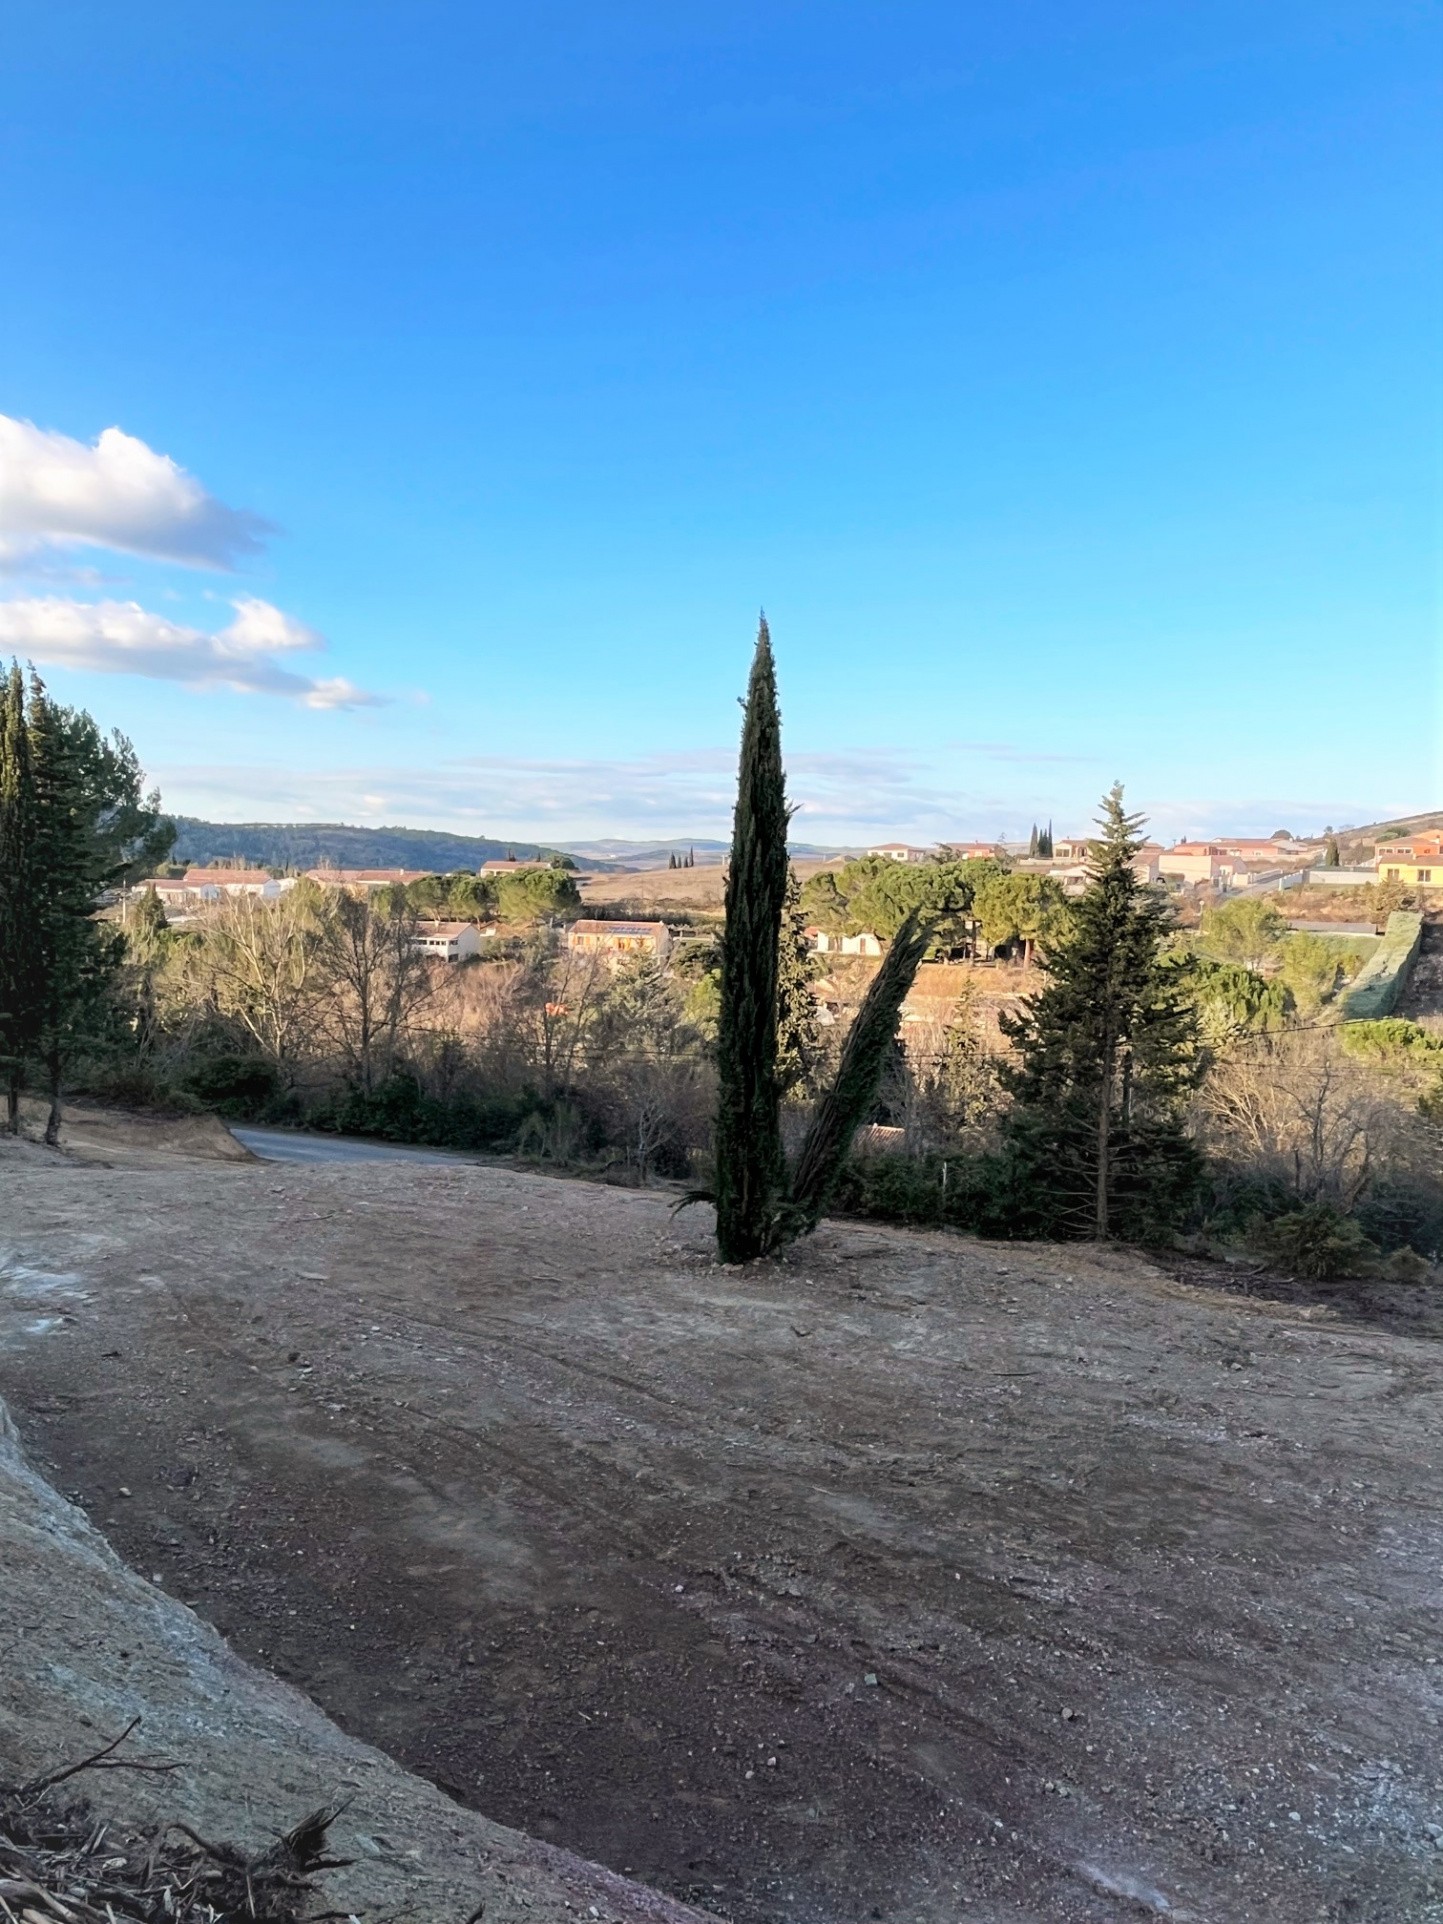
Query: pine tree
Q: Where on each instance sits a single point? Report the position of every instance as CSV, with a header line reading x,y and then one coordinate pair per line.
x,y
1033,843
21,969
1104,1052
72,820
1332,854
749,1164
799,1042
79,954
1044,842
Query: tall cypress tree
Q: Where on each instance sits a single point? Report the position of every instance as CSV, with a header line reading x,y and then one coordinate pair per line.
x,y
1033,843
749,1162
757,1206
1104,1052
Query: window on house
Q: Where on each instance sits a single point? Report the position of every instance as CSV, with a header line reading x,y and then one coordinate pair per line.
x,y
1425,875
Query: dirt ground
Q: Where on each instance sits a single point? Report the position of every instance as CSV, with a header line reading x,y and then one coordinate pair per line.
x,y
913,1578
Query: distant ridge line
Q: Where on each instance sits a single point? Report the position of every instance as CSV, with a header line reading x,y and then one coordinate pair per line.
x,y
303,845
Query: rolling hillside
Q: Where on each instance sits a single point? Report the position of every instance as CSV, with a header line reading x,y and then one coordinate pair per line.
x,y
307,844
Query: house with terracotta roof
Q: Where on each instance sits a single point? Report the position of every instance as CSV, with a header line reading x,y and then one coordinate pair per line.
x,y
361,881
973,851
619,938
1417,862
200,885
901,852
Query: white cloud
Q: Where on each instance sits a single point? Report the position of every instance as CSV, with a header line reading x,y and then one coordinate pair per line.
x,y
856,796
122,638
851,797
118,493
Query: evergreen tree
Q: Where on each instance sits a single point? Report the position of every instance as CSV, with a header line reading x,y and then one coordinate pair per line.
x,y
749,1165
1034,844
21,972
757,1207
1332,854
149,921
72,821
1044,844
865,1055
1104,1053
799,1042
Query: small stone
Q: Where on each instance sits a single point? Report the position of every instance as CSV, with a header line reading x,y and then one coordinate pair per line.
x,y
1295,1817
870,1678
1068,1716
124,1492
771,1763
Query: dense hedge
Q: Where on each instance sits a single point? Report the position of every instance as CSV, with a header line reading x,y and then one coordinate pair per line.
x,y
1380,982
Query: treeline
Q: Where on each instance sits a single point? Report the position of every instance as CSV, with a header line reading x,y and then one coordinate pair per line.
x,y
960,901
524,896
1152,1086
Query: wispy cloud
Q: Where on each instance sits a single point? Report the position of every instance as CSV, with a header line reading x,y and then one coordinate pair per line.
x,y
56,492
860,795
122,638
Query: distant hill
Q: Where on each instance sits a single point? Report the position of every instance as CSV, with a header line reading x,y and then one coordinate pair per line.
x,y
611,852
1358,843
304,845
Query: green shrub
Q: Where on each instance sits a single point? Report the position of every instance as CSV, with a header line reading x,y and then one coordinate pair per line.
x,y
236,1086
1317,1242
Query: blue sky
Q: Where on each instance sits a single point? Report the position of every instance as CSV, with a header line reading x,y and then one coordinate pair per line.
x,y
1063,378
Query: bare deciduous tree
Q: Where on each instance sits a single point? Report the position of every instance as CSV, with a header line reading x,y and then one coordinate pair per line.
x,y
260,958
375,979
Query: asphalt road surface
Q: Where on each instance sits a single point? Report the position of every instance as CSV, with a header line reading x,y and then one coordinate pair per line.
x,y
292,1145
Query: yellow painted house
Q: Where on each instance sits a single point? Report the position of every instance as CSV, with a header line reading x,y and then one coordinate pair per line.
x,y
1418,863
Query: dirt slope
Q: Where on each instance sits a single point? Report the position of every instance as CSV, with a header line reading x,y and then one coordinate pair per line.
x,y
915,1579
86,1646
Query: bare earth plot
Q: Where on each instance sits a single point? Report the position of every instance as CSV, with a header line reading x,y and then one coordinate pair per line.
x,y
913,1579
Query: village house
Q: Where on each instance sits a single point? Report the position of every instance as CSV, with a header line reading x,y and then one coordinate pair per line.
x,y
361,881
1259,852
1418,862
825,943
1200,864
449,941
199,885
901,852
619,938
973,851
510,866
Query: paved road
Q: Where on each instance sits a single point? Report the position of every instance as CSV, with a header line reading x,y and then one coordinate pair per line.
x,y
292,1145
